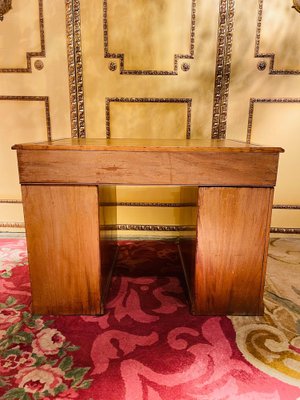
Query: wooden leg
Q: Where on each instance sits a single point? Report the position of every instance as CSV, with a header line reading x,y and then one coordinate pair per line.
x,y
232,242
62,229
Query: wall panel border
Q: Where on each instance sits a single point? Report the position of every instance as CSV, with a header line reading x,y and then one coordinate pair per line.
x,y
30,55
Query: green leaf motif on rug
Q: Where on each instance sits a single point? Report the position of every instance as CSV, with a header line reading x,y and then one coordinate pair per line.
x,y
35,371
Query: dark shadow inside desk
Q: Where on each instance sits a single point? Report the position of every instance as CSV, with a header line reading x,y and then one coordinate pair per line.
x,y
144,258
151,270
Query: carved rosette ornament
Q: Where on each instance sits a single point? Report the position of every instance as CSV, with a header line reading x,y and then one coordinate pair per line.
x,y
5,6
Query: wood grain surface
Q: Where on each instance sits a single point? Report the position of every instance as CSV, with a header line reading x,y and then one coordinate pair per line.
x,y
62,230
144,145
148,168
232,239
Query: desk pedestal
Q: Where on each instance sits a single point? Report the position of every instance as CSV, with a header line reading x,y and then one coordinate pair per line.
x,y
70,261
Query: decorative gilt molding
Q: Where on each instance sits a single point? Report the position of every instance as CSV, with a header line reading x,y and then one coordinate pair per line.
x,y
145,204
271,56
12,224
154,204
178,228
286,206
150,228
109,100
29,55
285,230
10,201
5,6
73,26
121,56
45,99
223,68
265,100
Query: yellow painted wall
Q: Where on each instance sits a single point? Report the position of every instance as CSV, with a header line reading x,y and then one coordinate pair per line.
x,y
169,54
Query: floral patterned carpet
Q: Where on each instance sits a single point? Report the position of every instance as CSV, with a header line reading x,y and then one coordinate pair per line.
x,y
148,346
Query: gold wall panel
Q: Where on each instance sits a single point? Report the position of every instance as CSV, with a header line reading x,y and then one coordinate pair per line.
x,y
286,219
195,81
12,213
141,35
33,106
25,121
264,91
133,118
279,123
277,28
22,38
246,80
235,61
148,215
158,58
140,194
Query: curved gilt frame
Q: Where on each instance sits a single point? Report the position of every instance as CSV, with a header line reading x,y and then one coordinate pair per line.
x,y
30,55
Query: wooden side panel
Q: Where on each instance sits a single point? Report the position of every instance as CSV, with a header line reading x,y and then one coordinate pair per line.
x,y
108,237
233,226
63,247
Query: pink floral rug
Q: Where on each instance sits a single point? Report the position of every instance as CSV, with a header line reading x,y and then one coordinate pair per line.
x,y
147,346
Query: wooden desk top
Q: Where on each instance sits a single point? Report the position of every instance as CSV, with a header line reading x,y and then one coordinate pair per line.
x,y
147,145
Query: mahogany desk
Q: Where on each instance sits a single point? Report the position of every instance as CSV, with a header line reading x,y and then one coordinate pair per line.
x,y
67,185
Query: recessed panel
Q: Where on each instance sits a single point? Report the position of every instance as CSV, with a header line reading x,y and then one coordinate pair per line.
x,y
21,121
151,119
148,36
22,34
277,123
278,36
162,49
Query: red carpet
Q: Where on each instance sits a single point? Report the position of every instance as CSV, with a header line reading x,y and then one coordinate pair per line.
x,y
147,346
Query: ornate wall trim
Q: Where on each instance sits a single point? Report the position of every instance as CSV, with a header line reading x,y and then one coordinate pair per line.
x,y
121,56
12,225
10,201
109,100
286,206
45,99
73,26
265,100
223,68
29,55
146,204
271,56
149,228
286,230
153,204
